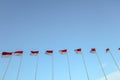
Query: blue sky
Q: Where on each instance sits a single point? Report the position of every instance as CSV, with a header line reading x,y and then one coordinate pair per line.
x,y
60,24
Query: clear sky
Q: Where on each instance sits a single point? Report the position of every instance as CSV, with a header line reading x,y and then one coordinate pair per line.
x,y
60,24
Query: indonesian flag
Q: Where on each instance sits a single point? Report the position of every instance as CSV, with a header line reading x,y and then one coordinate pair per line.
x,y
93,50
107,50
6,54
18,53
79,50
34,53
118,48
64,51
49,52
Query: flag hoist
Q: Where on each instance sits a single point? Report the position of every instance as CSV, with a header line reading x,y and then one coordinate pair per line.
x,y
93,50
79,51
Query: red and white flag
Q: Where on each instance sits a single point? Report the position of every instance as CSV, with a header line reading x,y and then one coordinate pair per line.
x,y
34,53
6,54
49,52
93,50
18,53
107,50
79,50
118,48
64,51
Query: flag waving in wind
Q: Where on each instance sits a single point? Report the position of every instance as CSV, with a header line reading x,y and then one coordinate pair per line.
x,y
64,51
93,50
6,54
118,48
49,52
79,50
34,53
107,50
18,53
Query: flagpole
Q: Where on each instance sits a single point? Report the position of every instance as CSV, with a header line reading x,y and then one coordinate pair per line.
x,y
85,66
52,66
3,78
101,67
19,67
36,67
0,62
115,61
68,66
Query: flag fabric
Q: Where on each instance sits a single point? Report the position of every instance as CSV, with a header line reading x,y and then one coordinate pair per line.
x,y
6,54
79,50
118,48
107,50
18,53
64,51
93,50
49,52
34,53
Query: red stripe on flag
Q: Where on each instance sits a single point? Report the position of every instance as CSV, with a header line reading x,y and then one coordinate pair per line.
x,y
63,51
5,54
93,50
18,52
107,50
118,48
34,52
49,52
79,50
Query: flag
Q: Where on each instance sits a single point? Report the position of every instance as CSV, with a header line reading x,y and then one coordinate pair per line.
x,y
107,50
118,48
6,54
34,53
49,52
18,53
63,51
79,50
93,50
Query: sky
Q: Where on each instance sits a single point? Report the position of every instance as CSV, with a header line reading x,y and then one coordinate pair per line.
x,y
60,24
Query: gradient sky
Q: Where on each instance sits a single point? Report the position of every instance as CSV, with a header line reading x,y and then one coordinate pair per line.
x,y
60,24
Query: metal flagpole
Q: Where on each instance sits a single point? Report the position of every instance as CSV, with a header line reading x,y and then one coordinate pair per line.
x,y
0,62
115,61
101,67
68,66
85,66
19,67
3,78
36,67
52,66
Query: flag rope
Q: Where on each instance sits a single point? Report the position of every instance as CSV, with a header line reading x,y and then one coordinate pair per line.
x,y
101,67
85,66
115,61
68,66
52,66
37,59
19,68
3,78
